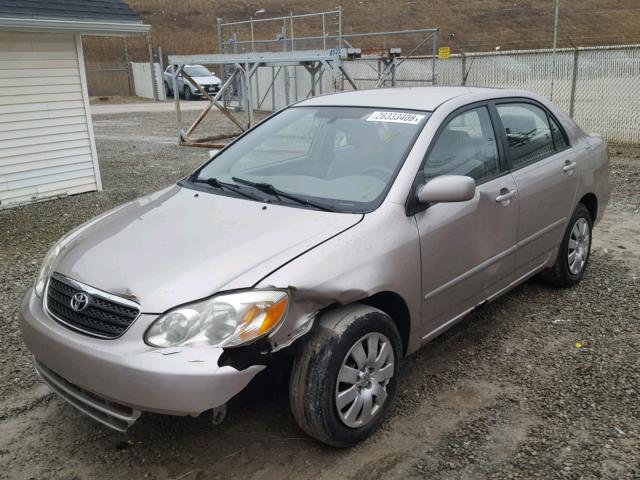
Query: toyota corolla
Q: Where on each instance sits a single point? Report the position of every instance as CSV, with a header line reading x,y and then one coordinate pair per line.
x,y
340,235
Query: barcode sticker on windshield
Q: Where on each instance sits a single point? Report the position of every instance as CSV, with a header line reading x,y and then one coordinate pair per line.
x,y
395,117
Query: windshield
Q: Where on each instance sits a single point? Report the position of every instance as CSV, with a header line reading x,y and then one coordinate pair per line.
x,y
197,71
341,157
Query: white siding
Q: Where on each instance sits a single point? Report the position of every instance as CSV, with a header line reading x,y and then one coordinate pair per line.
x,y
46,138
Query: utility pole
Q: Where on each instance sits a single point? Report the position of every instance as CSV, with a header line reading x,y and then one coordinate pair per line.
x,y
555,45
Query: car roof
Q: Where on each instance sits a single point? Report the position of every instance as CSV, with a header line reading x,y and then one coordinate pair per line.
x,y
412,98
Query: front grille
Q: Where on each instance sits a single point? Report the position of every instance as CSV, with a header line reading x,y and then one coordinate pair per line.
x,y
103,316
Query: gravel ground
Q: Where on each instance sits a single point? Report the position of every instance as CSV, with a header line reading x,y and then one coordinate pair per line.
x,y
505,394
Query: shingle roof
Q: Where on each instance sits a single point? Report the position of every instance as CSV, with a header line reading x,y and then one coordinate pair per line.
x,y
87,10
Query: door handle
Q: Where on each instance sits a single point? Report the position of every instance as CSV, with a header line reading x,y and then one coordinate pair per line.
x,y
569,166
505,195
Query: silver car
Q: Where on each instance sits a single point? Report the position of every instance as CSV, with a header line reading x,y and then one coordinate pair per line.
x,y
339,235
207,80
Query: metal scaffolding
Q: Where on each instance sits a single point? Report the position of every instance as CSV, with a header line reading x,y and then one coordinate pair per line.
x,y
240,60
284,38
245,66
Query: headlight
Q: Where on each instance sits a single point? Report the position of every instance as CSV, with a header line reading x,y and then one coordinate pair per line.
x,y
46,270
225,320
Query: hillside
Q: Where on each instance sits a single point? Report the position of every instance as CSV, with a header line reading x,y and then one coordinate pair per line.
x,y
189,26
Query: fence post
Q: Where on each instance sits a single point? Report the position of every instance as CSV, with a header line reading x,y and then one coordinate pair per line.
x,y
273,89
161,62
248,92
434,56
152,66
220,39
128,62
393,71
574,78
256,75
287,85
463,64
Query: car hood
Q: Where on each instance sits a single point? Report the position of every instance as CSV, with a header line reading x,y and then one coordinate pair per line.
x,y
178,245
212,80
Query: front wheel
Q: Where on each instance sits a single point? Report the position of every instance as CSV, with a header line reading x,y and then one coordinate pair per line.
x,y
187,93
574,251
344,380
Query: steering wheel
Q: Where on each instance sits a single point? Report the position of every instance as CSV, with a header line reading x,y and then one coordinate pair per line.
x,y
383,173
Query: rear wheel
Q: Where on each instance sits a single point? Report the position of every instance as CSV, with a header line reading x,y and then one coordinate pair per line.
x,y
167,90
186,92
574,251
345,379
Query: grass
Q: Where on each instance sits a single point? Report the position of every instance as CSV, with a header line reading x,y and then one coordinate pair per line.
x,y
189,27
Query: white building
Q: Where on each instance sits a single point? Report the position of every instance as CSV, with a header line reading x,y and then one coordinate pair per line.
x,y
47,146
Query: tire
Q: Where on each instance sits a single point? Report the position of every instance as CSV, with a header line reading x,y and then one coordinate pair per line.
x,y
167,90
332,348
186,91
566,273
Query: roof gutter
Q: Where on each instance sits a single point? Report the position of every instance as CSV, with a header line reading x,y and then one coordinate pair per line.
x,y
75,26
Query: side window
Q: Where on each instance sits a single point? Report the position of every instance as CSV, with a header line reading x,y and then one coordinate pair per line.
x,y
528,133
559,141
466,146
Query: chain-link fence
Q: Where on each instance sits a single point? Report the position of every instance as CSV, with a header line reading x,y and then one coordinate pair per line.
x,y
598,86
109,80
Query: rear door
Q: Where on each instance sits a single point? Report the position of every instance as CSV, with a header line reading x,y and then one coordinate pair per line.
x,y
467,248
544,168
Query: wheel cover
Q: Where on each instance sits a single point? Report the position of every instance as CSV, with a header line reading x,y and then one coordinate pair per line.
x,y
365,372
579,242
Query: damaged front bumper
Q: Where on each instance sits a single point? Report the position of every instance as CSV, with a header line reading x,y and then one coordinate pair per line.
x,y
113,380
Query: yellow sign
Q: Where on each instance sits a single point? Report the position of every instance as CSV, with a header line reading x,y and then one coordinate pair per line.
x,y
444,52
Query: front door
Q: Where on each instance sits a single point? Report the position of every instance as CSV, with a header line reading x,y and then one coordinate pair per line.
x,y
467,248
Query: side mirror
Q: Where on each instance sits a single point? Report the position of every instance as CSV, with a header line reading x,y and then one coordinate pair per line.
x,y
214,152
447,188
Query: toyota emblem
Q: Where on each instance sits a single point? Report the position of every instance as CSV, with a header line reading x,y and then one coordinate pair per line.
x,y
79,302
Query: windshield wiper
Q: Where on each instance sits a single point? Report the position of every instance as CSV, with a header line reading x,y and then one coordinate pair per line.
x,y
215,183
276,192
